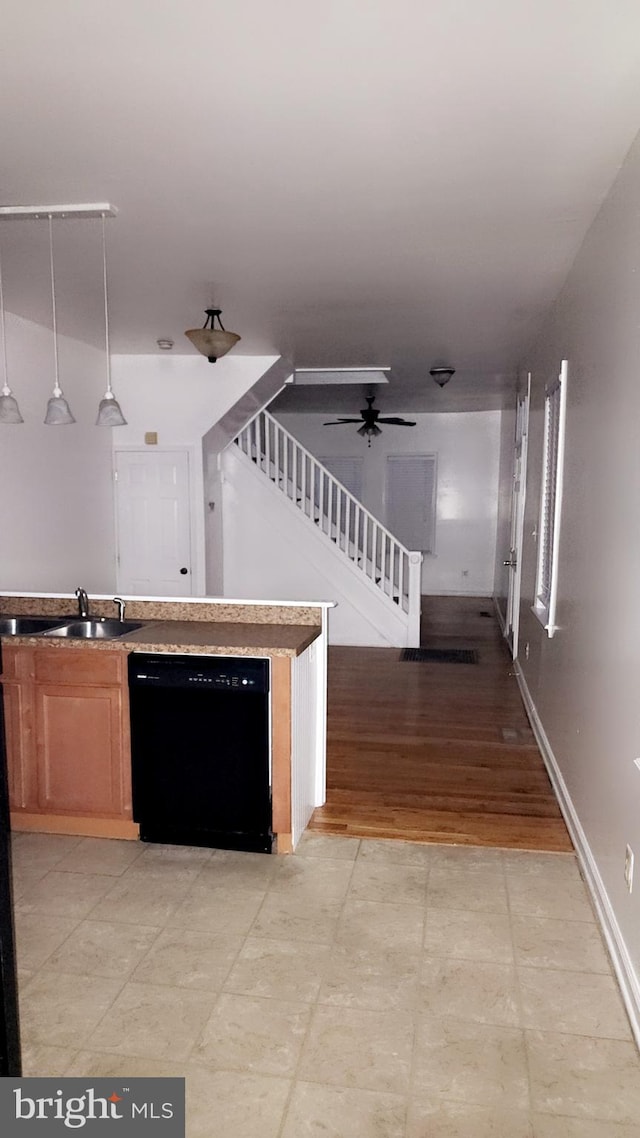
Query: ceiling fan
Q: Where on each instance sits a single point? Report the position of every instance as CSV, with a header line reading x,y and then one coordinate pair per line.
x,y
370,417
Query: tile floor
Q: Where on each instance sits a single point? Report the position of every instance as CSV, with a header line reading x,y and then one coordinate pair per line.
x,y
359,989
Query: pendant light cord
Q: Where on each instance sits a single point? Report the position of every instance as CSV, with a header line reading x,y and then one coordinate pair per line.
x,y
53,307
106,303
4,337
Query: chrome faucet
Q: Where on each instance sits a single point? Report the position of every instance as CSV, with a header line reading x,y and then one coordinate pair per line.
x,y
83,603
121,606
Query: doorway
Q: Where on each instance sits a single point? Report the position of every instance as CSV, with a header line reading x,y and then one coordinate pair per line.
x,y
153,525
518,494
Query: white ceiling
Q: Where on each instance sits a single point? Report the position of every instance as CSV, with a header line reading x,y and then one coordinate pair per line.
x,y
353,182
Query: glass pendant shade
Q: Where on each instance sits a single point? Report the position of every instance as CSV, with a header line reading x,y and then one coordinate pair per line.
x,y
9,410
110,412
211,341
58,410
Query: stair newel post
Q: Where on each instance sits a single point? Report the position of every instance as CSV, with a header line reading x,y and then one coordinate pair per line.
x,y
365,539
401,557
339,494
415,574
330,485
347,526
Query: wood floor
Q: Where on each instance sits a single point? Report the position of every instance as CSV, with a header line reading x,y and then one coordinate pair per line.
x,y
436,752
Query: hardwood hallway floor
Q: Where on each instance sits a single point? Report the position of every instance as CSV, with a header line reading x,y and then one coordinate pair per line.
x,y
436,752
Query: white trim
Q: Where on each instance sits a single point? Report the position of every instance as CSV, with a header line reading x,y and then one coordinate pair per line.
x,y
177,600
500,617
623,967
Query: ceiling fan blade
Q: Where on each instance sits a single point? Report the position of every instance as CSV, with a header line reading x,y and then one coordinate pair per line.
x,y
398,422
336,422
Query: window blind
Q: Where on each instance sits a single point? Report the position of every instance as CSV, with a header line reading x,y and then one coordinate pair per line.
x,y
411,500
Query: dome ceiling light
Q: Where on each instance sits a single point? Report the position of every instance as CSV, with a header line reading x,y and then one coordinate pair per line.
x,y
211,341
441,375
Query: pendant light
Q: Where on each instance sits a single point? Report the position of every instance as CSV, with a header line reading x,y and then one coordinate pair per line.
x,y
58,410
109,410
211,341
9,410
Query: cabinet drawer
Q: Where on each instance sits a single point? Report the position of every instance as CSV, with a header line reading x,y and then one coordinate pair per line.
x,y
78,666
17,662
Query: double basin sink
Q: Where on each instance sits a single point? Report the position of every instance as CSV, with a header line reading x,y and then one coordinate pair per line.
x,y
73,628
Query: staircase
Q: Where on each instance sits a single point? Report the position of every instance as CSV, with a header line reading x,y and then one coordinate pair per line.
x,y
383,568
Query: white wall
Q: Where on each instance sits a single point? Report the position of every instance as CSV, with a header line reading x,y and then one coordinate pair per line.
x,y
467,446
584,684
56,512
180,398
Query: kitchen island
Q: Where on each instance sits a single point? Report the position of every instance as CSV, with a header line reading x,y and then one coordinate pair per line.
x,y
67,706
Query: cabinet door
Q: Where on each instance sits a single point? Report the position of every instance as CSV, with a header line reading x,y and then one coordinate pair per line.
x,y
79,749
20,745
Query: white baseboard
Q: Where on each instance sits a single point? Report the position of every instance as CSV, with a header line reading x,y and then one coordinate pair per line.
x,y
620,959
500,617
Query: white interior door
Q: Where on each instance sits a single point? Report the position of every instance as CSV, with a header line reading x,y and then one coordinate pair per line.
x,y
153,523
514,560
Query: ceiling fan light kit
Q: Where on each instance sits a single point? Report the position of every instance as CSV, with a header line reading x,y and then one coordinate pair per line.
x,y
212,342
441,375
369,419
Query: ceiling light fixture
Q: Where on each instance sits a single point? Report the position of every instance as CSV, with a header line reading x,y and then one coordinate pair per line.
x,y
165,345
441,375
9,410
58,410
211,341
109,410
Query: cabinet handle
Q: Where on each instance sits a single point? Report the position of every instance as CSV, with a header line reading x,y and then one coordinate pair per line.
x,y
184,570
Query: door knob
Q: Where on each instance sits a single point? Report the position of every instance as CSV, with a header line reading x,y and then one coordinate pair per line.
x,y
184,570
511,564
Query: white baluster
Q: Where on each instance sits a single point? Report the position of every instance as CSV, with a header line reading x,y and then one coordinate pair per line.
x,y
276,453
294,473
267,445
303,488
401,557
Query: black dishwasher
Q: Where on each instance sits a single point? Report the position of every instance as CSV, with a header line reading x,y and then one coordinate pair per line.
x,y
200,750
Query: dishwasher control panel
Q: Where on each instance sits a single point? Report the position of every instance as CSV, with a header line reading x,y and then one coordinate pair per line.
x,y
212,673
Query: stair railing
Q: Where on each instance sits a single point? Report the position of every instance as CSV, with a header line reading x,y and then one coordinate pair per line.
x,y
391,568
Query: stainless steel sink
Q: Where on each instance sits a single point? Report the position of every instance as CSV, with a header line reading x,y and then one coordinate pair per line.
x,y
94,629
28,625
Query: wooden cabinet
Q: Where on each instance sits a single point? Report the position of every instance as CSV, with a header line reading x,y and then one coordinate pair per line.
x,y
67,731
17,687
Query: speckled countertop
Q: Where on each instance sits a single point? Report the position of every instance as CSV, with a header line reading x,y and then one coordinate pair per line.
x,y
217,638
222,638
